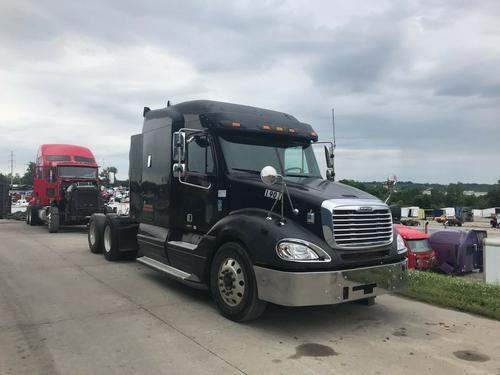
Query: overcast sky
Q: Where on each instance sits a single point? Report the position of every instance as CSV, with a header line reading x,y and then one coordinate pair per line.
x,y
415,84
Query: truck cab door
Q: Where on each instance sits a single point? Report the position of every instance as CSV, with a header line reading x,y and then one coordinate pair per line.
x,y
196,194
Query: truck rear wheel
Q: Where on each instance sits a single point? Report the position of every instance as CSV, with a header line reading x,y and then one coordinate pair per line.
x,y
96,233
233,286
111,246
53,219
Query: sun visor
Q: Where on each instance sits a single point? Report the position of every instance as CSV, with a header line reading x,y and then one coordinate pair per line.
x,y
261,125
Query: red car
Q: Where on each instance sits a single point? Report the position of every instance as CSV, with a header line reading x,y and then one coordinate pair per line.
x,y
420,253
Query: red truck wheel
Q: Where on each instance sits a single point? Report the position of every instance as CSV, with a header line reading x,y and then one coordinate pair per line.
x,y
53,219
33,215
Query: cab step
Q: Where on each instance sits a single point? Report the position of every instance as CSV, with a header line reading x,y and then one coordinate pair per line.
x,y
183,245
189,279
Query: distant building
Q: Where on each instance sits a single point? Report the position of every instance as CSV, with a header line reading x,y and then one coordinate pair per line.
x,y
475,193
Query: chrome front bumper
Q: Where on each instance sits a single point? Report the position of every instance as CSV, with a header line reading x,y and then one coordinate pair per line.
x,y
330,287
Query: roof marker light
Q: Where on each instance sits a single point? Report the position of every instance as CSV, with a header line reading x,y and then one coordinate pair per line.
x,y
279,129
236,124
266,127
292,130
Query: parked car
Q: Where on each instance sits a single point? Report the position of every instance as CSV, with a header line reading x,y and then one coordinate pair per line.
x,y
420,253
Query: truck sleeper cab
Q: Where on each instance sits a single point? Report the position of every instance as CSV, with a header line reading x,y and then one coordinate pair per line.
x,y
201,213
65,186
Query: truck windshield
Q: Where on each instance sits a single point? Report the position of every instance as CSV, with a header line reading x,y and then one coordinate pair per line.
x,y
290,160
77,172
419,246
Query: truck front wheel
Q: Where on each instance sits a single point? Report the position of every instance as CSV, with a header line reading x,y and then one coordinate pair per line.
x,y
111,246
28,215
233,286
32,216
53,219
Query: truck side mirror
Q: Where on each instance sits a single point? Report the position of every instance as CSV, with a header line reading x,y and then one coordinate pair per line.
x,y
111,177
328,157
179,146
179,170
269,175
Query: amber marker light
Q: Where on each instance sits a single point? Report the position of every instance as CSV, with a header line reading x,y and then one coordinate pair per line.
x,y
236,124
266,127
292,130
280,129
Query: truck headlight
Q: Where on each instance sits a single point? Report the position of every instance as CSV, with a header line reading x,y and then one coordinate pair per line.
x,y
296,250
401,245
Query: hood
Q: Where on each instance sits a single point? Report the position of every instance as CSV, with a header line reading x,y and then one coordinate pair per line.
x,y
307,194
311,190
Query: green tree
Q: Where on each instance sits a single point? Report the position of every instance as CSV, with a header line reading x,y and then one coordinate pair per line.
x,y
493,196
437,198
104,175
27,179
455,195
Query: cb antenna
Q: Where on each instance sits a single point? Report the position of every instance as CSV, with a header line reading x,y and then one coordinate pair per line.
x,y
333,128
332,156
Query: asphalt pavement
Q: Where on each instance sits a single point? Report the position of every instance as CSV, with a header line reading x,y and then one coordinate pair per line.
x,y
64,310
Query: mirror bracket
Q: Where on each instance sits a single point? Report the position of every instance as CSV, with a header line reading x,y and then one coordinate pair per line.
x,y
179,157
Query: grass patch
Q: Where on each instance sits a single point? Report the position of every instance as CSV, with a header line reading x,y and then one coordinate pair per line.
x,y
456,292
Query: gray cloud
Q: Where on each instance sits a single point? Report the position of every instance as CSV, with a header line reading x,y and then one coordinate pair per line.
x,y
407,80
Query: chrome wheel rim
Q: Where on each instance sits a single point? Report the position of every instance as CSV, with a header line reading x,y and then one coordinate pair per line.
x,y
231,281
107,239
92,233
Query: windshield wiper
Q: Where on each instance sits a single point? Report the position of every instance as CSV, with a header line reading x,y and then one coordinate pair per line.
x,y
297,175
245,170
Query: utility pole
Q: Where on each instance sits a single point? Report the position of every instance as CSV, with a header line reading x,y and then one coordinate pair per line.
x,y
11,161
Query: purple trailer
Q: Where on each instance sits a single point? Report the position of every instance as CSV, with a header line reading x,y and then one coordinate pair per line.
x,y
458,251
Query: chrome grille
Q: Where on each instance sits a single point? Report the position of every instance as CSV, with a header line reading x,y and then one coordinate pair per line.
x,y
360,229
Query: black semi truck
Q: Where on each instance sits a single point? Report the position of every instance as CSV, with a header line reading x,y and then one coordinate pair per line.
x,y
230,198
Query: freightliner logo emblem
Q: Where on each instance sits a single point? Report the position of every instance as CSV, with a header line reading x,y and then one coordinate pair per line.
x,y
365,209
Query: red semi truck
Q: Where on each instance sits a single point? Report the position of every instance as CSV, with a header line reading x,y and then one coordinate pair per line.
x,y
65,186
420,253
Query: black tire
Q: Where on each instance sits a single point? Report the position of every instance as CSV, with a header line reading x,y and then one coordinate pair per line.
x,y
33,215
28,215
53,219
233,286
95,233
111,245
